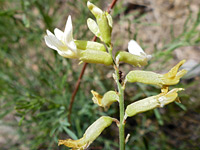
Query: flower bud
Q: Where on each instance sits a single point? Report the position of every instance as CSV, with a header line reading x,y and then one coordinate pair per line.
x,y
152,102
85,45
148,77
132,59
103,27
94,9
90,135
92,25
97,57
106,100
97,127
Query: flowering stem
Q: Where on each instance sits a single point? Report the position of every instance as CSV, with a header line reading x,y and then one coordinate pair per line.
x,y
121,101
121,106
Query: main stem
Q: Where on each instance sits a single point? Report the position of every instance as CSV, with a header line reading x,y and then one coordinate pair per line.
x,y
121,106
121,101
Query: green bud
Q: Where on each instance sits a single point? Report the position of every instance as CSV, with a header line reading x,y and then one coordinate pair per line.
x,y
103,28
141,106
94,9
90,134
152,102
129,58
97,57
146,77
109,98
92,25
97,127
106,100
149,77
85,45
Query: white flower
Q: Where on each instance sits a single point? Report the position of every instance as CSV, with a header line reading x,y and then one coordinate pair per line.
x,y
62,42
135,49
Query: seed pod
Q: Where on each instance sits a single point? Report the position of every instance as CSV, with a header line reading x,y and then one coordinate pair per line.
x,y
90,135
152,102
85,45
129,58
97,57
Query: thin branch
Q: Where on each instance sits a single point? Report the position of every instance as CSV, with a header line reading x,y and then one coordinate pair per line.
x,y
77,87
111,6
83,70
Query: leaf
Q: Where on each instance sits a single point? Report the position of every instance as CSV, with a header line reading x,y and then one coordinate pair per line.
x,y
158,117
70,133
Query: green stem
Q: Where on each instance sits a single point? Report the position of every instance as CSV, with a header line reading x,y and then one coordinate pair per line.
x,y
121,101
121,106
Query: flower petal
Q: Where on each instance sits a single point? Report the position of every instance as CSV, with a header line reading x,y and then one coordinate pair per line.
x,y
52,42
72,46
68,37
59,34
134,48
49,32
67,54
173,72
97,98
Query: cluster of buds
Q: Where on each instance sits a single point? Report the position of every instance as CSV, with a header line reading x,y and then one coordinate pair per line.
x,y
102,28
98,53
85,51
161,80
94,52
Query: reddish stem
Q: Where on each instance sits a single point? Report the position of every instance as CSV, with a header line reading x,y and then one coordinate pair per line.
x,y
111,6
77,87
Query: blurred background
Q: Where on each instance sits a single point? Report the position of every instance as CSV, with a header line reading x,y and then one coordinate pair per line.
x,y
36,83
